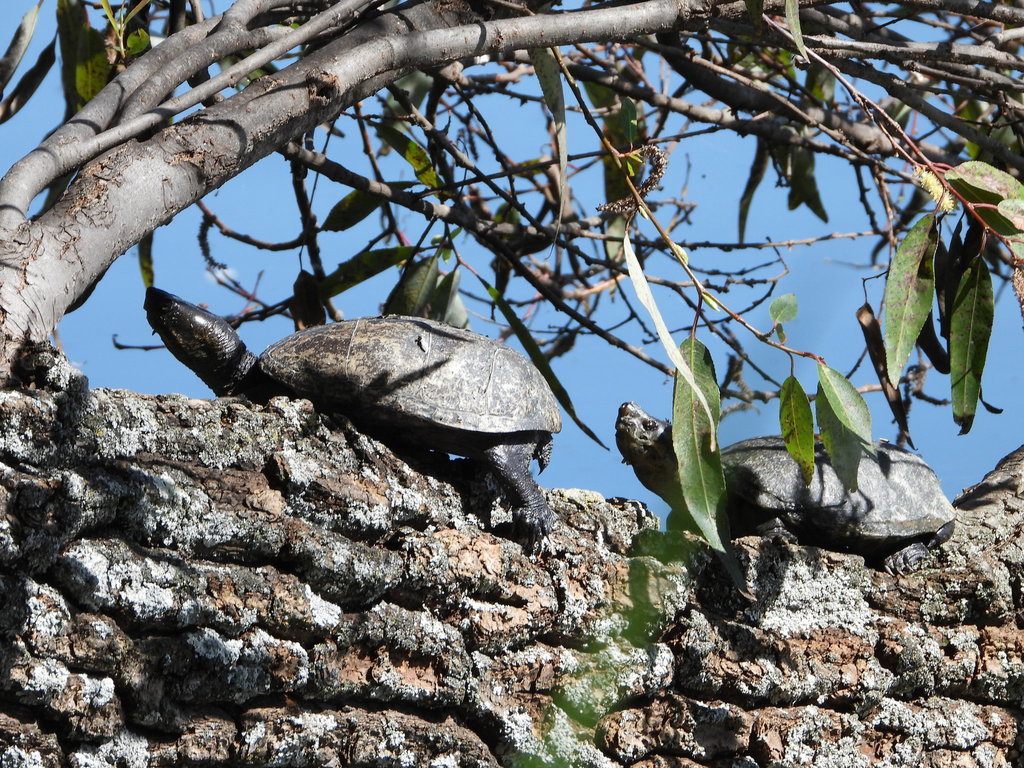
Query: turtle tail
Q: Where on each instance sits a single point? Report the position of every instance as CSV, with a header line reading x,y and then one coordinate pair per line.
x,y
201,340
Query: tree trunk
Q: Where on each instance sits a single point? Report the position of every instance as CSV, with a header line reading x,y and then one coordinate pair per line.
x,y
208,582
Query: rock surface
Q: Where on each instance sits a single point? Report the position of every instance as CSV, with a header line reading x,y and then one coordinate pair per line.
x,y
203,581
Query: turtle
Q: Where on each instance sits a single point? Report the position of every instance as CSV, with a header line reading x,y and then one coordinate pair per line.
x,y
895,517
404,380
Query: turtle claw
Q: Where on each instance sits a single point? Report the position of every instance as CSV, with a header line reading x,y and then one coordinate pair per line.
x,y
532,526
906,560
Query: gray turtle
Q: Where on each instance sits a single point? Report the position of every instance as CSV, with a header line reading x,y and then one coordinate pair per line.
x,y
402,379
897,514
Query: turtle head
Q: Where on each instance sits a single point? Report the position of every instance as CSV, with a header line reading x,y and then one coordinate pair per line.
x,y
646,444
640,436
201,340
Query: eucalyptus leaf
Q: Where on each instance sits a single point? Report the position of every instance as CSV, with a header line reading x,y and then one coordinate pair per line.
x,y
549,75
909,289
643,293
846,404
844,447
698,459
363,266
969,333
797,425
19,44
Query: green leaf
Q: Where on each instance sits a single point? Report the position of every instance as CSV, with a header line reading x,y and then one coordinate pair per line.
x,y
908,293
844,447
783,308
137,42
797,425
821,83
18,45
803,188
626,117
969,331
28,84
793,20
146,259
413,153
538,359
549,75
83,55
643,293
701,479
981,183
356,206
446,303
1011,224
762,158
131,14
846,404
350,210
412,294
363,266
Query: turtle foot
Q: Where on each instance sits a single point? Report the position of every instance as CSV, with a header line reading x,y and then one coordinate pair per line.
x,y
533,525
907,559
532,518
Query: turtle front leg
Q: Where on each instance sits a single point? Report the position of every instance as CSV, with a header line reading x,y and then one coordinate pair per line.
x,y
531,515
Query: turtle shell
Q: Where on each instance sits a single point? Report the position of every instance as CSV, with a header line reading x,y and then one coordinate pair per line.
x,y
898,498
411,372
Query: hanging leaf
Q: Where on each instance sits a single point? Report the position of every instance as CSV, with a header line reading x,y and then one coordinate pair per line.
x,y
356,206
844,447
969,332
549,75
18,45
793,20
627,120
29,83
783,308
699,461
146,260
797,425
846,404
762,158
363,266
414,289
306,305
83,55
981,183
413,153
643,293
876,351
446,304
803,188
908,293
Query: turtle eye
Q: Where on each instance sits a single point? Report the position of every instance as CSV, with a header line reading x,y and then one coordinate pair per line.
x,y
650,424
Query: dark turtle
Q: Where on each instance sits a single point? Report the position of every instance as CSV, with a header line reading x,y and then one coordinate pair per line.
x,y
403,379
895,516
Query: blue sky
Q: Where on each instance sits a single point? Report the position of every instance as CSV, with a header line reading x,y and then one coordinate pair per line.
x,y
713,170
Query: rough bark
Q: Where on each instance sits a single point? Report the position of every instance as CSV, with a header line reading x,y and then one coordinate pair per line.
x,y
207,582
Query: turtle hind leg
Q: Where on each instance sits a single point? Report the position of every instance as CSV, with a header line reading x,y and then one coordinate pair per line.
x,y
909,558
531,515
